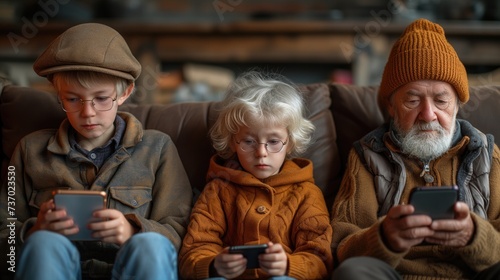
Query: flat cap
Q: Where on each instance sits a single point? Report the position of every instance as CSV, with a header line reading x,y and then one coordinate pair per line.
x,y
89,47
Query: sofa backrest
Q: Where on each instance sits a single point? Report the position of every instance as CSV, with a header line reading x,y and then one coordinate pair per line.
x,y
24,110
342,114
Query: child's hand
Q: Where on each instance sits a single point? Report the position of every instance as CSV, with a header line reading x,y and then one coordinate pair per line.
x,y
53,220
274,261
229,265
114,229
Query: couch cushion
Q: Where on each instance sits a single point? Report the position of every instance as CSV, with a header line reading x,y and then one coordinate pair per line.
x,y
24,110
483,109
324,151
355,113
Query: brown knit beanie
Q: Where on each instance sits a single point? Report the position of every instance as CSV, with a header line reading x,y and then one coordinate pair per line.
x,y
89,47
422,53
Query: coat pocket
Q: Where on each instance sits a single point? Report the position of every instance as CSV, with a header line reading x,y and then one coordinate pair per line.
x,y
131,200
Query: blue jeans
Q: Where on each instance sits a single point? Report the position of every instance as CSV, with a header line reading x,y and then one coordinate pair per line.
x,y
48,255
365,268
369,268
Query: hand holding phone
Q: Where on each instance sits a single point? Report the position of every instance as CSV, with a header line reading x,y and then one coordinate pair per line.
x,y
80,206
436,202
250,252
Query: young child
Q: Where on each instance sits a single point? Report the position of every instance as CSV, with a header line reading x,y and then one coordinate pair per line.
x,y
257,194
98,148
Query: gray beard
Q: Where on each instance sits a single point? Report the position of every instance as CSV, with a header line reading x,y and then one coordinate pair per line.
x,y
425,146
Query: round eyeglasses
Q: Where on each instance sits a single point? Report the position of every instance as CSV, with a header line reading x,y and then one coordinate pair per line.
x,y
272,146
73,105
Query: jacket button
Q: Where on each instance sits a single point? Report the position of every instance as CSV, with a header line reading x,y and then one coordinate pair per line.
x,y
261,209
134,202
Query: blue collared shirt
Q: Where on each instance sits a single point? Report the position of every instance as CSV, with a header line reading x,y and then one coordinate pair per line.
x,y
100,154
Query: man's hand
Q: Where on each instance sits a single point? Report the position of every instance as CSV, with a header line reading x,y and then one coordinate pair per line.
x,y
401,230
454,232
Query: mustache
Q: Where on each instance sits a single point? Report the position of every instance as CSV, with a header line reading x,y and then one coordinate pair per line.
x,y
428,126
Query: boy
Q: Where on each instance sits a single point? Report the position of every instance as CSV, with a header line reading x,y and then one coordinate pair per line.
x,y
98,148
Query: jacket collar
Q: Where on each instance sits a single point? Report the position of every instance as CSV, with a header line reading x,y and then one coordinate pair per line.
x,y
59,143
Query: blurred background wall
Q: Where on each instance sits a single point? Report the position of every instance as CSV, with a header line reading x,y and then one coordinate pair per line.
x,y
190,50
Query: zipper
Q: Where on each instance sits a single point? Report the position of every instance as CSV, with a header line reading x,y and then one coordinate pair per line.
x,y
428,178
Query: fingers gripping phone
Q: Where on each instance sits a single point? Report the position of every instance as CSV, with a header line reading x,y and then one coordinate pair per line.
x,y
80,206
436,202
250,252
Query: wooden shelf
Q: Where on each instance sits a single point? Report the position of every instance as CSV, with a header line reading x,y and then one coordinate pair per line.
x,y
271,41
258,41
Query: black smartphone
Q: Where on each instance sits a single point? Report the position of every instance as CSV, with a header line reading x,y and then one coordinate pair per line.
x,y
250,252
80,205
436,202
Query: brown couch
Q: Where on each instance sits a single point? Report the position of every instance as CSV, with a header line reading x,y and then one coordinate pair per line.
x,y
341,113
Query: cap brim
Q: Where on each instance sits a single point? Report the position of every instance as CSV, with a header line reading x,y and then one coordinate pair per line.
x,y
63,68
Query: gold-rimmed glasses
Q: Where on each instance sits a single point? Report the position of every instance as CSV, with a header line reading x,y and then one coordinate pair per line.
x,y
99,103
250,145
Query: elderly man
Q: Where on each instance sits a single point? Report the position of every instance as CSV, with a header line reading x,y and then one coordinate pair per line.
x,y
377,234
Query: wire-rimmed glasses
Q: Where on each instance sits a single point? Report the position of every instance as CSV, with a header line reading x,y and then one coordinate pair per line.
x,y
250,145
99,103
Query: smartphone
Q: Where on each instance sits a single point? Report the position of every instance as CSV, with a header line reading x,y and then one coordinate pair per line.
x,y
436,202
250,252
80,206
